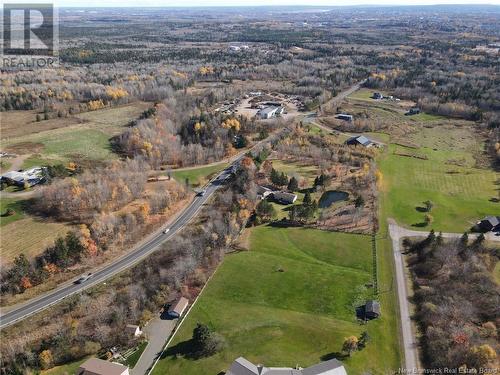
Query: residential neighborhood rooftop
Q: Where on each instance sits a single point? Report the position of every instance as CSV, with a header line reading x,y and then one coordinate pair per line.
x,y
242,366
96,366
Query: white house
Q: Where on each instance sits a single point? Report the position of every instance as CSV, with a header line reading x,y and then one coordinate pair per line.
x,y
133,330
269,112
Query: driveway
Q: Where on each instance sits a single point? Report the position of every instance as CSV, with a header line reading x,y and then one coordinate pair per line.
x,y
397,233
157,332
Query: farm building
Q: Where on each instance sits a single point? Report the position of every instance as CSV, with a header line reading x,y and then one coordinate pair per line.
x,y
242,366
31,177
133,330
372,309
360,140
96,366
178,307
345,117
284,197
270,112
490,223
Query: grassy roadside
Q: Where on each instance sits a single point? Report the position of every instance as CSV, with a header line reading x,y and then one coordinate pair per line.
x,y
290,299
198,176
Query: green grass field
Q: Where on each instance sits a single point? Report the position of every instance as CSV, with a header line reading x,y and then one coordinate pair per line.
x,y
13,204
307,172
134,357
461,194
198,176
298,316
422,116
88,139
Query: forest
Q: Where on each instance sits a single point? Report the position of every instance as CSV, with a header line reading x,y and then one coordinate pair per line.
x,y
457,300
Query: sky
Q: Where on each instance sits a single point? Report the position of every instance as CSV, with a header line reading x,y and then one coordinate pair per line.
x,y
195,3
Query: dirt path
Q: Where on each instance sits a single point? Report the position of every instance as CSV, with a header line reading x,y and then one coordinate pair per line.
x,y
337,99
17,162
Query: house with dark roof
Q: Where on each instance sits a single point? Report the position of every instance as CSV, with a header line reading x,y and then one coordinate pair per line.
x,y
345,117
489,223
242,366
360,140
372,309
284,197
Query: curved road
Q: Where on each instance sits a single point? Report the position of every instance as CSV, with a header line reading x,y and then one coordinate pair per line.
x,y
37,304
51,298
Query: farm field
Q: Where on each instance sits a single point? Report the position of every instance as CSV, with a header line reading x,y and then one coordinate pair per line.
x,y
299,315
29,236
85,135
13,204
447,175
307,172
198,176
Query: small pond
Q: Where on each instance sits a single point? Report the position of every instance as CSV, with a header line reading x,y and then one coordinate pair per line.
x,y
332,196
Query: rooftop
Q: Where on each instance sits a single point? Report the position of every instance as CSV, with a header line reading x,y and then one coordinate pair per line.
x,y
242,366
96,366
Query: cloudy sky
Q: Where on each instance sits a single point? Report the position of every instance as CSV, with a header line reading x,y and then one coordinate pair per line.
x,y
183,3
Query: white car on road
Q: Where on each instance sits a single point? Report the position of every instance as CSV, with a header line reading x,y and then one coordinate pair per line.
x,y
166,231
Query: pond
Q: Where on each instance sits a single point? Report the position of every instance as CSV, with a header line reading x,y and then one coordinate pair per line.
x,y
332,196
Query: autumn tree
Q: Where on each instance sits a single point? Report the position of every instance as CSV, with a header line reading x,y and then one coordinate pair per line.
x,y
46,360
350,345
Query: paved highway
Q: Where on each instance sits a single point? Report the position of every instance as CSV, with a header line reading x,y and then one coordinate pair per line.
x,y
22,311
120,264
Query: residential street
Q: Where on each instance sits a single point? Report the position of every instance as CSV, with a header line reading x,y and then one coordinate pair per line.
x,y
397,233
157,332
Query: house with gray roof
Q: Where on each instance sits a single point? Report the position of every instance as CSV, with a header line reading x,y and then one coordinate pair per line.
x,y
96,366
360,140
242,366
489,223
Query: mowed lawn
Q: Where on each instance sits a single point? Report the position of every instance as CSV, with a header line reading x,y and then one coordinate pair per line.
x,y
299,315
461,194
198,176
85,135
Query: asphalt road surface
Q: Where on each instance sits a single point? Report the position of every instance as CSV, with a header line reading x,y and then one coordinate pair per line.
x,y
17,313
120,264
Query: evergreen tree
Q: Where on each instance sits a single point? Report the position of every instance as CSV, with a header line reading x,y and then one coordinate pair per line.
x,y
293,184
307,199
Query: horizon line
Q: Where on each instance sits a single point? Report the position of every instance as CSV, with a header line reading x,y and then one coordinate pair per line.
x,y
279,5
